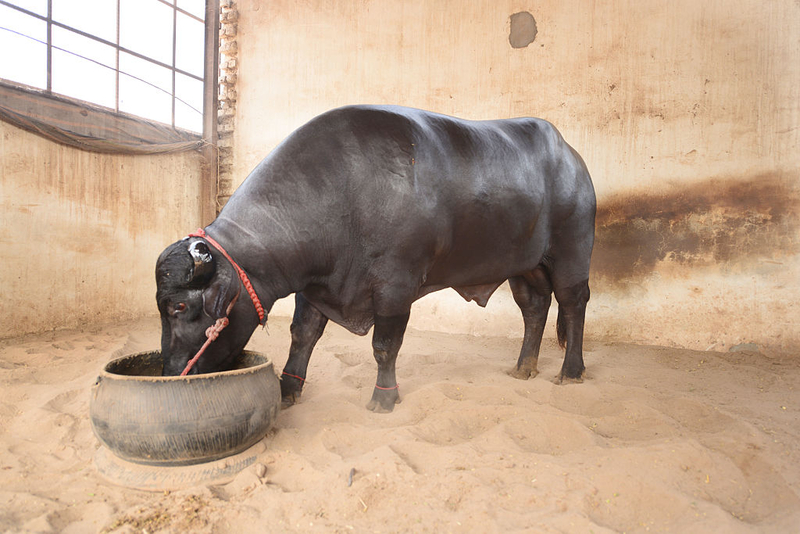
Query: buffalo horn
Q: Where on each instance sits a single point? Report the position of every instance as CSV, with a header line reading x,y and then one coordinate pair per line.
x,y
203,264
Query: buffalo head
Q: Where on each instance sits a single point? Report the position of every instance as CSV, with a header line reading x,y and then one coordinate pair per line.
x,y
195,287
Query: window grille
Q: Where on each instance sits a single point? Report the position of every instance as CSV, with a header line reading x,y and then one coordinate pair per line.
x,y
145,58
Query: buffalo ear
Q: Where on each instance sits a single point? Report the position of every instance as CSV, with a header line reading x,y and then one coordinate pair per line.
x,y
219,294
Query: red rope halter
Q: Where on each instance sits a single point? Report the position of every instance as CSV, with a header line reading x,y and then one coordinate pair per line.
x,y
213,331
242,275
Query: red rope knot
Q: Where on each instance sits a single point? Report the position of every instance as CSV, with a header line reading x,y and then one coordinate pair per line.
x,y
213,331
252,292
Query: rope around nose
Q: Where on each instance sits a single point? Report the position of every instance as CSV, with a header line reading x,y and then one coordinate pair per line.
x,y
212,333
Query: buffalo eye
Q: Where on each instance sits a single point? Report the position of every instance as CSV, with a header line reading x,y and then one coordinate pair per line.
x,y
178,308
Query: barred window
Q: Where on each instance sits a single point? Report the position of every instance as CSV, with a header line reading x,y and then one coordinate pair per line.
x,y
140,57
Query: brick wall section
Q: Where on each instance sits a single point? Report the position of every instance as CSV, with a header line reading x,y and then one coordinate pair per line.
x,y
226,112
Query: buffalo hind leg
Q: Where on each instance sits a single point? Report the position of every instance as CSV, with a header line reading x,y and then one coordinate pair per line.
x,y
571,316
307,327
533,294
386,341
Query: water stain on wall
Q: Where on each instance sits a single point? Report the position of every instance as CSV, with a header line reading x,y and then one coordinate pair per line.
x,y
719,221
523,30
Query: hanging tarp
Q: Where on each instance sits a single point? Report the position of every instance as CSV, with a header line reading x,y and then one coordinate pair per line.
x,y
88,127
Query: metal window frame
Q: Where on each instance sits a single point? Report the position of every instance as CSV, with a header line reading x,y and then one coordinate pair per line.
x,y
211,57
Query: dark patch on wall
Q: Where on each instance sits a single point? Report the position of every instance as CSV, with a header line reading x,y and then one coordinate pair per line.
x,y
713,222
523,29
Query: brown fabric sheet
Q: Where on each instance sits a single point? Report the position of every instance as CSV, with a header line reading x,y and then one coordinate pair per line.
x,y
88,127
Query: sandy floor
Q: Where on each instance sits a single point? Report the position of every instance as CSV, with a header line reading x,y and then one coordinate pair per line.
x,y
655,439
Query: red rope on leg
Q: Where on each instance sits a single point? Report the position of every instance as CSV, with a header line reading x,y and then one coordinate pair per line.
x,y
300,378
387,389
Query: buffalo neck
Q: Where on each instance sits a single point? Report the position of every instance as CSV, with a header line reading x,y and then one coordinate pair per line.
x,y
263,254
284,221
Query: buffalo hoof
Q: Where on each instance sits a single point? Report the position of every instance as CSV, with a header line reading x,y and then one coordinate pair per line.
x,y
524,372
291,389
383,400
289,400
563,378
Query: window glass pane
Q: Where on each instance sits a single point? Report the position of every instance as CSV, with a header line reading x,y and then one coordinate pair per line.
x,y
28,62
37,6
98,17
189,113
195,7
146,90
83,68
146,28
70,72
190,45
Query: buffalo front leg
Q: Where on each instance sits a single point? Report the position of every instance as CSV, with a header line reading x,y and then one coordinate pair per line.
x,y
532,294
386,341
571,316
307,327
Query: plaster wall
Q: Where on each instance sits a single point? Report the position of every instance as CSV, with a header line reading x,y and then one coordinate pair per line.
x,y
81,231
686,113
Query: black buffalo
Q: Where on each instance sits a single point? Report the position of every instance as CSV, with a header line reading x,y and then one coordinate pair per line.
x,y
366,209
